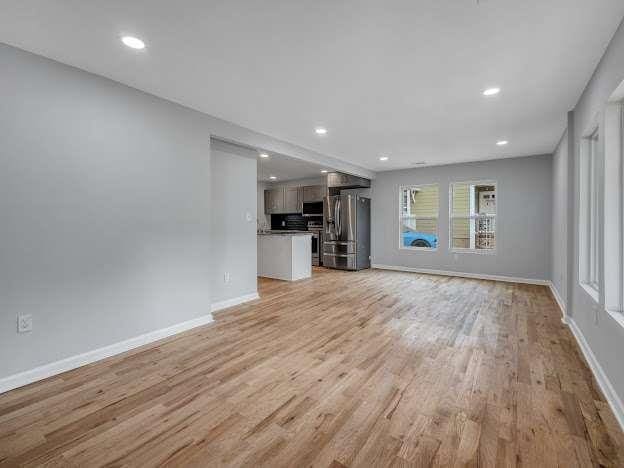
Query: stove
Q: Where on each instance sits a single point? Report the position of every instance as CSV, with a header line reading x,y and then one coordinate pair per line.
x,y
317,242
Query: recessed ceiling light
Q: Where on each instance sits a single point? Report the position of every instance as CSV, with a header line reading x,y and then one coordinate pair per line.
x,y
491,91
133,42
383,158
502,142
320,130
264,155
324,171
272,177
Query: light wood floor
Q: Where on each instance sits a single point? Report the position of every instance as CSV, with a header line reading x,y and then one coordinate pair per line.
x,y
373,368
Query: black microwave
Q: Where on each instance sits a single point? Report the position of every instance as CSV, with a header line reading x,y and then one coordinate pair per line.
x,y
312,208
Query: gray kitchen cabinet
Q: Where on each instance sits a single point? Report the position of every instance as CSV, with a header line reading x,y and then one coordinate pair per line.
x,y
274,201
313,193
292,200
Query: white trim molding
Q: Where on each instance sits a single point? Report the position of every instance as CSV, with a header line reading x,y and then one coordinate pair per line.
x,y
599,374
558,300
426,271
234,302
72,362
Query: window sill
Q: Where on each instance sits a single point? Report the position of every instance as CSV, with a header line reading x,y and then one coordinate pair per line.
x,y
617,315
593,292
475,251
419,249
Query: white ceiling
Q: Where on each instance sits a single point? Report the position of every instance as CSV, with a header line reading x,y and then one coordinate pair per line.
x,y
282,167
399,77
285,168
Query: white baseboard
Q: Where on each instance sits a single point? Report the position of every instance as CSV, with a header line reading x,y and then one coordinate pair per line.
x,y
601,377
72,362
234,302
507,279
599,374
559,301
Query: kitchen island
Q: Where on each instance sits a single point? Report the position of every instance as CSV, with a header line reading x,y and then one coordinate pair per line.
x,y
285,255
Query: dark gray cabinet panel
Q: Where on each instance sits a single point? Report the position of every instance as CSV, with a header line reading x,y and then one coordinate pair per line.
x,y
274,201
313,193
292,200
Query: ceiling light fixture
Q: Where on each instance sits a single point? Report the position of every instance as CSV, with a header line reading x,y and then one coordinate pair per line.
x,y
320,130
491,91
133,42
272,177
502,142
324,171
264,155
383,158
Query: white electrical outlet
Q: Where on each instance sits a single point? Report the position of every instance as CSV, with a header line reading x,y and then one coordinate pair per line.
x,y
24,323
226,277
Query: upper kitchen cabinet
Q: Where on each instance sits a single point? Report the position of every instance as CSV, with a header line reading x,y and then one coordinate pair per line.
x,y
283,200
313,193
274,201
292,200
288,200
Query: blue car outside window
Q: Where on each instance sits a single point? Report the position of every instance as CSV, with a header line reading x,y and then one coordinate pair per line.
x,y
419,239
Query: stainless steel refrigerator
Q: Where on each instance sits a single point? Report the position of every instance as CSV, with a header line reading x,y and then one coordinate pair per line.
x,y
346,232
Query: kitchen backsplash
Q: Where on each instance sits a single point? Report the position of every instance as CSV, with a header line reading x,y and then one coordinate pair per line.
x,y
292,222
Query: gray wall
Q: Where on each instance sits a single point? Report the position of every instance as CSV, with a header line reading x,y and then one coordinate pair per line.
x,y
264,220
523,212
105,208
559,244
108,230
233,237
603,334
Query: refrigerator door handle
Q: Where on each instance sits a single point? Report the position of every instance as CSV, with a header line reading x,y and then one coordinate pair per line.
x,y
329,219
338,216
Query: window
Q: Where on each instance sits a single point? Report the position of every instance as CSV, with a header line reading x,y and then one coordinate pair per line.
x,y
613,205
473,216
589,220
418,217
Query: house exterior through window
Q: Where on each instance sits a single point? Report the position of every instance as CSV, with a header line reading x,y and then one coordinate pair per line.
x,y
473,216
418,217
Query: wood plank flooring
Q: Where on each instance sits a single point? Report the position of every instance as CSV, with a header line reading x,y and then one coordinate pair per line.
x,y
365,369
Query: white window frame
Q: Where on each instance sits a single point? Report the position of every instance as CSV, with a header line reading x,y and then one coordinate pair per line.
x,y
590,240
401,215
472,218
621,198
613,206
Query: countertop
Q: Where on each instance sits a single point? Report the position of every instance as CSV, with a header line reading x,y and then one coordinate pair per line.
x,y
285,233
